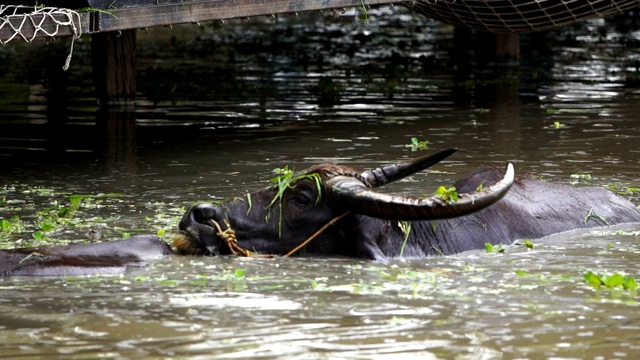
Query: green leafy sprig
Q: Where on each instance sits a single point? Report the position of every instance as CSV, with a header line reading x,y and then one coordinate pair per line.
x,y
286,179
448,195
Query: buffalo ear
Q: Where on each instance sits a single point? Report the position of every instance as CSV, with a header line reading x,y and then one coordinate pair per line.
x,y
352,194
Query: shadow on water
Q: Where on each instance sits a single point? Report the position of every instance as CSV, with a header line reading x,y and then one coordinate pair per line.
x,y
219,107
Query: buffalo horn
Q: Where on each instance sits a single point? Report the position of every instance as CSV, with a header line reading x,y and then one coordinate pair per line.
x,y
355,196
386,174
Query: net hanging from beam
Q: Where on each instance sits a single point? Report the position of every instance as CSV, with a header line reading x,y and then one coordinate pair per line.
x,y
519,15
30,22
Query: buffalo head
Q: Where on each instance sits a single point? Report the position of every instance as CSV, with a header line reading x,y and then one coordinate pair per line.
x,y
277,219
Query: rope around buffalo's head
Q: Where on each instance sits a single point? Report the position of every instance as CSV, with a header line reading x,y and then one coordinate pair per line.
x,y
229,237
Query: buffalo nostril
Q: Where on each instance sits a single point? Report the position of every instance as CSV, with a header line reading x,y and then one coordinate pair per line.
x,y
204,212
196,214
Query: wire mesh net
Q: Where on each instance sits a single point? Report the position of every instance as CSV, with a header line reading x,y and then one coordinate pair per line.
x,y
520,15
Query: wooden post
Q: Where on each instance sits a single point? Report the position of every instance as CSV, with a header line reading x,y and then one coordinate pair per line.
x,y
508,46
114,67
114,71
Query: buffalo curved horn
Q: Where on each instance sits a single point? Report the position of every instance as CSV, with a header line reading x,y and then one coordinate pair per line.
x,y
386,174
355,196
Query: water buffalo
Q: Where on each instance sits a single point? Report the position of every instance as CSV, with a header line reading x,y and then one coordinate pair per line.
x,y
364,223
338,208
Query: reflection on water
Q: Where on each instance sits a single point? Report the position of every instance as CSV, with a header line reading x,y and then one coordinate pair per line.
x,y
220,107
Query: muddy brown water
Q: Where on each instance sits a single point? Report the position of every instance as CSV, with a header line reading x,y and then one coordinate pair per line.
x,y
220,107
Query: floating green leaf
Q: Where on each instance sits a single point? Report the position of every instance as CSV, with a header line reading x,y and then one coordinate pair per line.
x,y
5,225
528,243
592,279
239,273
613,281
417,144
494,248
630,283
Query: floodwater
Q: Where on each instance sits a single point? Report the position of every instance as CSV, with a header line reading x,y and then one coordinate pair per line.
x,y
221,106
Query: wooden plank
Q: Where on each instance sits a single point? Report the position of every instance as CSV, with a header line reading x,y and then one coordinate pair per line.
x,y
208,10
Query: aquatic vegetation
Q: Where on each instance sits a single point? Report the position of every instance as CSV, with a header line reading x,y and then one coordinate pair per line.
x,y
494,248
417,145
522,273
528,243
405,227
11,225
580,178
627,233
615,281
23,225
448,195
592,215
623,190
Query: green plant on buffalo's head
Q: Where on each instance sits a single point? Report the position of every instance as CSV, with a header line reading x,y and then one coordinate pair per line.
x,y
286,179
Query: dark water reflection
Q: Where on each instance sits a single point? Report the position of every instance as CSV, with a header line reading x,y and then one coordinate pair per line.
x,y
220,107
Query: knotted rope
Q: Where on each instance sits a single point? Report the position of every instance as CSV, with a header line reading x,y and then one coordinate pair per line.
x,y
20,19
229,237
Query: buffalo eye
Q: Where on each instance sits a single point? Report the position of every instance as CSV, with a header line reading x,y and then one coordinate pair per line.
x,y
302,199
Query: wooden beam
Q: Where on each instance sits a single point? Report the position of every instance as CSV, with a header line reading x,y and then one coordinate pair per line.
x,y
208,10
